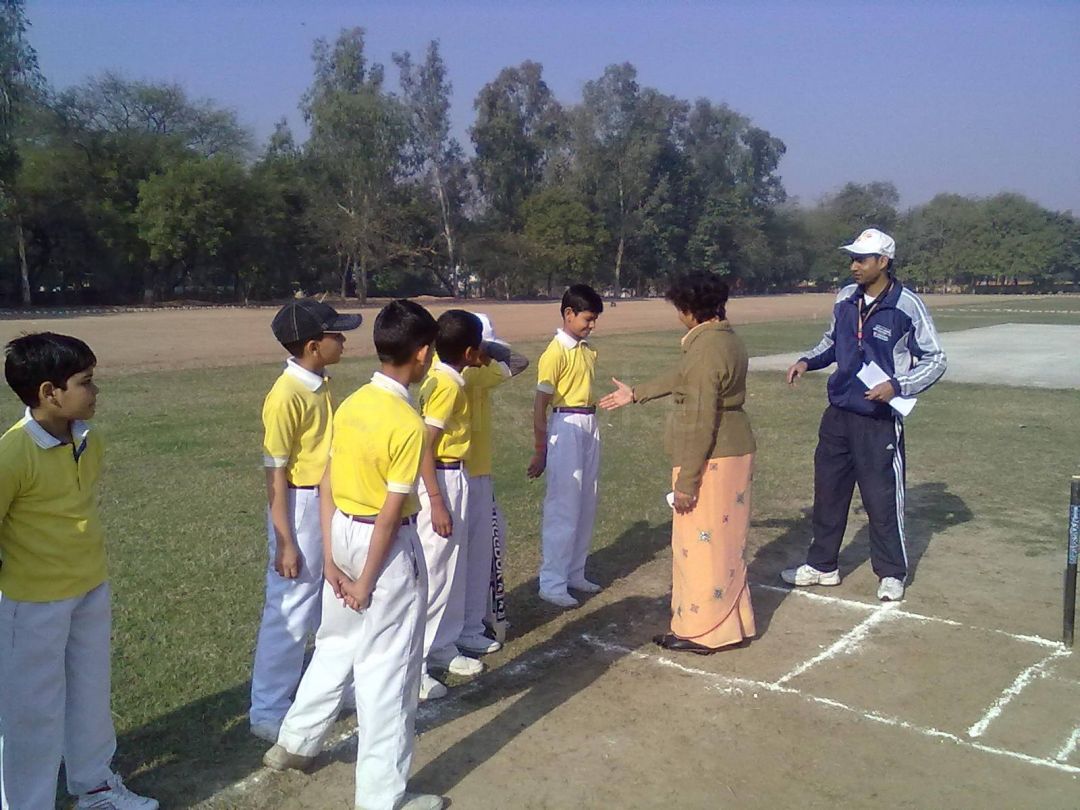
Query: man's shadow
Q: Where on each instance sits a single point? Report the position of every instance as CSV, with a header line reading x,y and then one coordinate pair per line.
x,y
930,508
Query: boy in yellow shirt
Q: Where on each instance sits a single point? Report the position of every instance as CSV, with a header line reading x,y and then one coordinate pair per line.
x,y
297,414
487,528
568,447
444,495
372,627
55,616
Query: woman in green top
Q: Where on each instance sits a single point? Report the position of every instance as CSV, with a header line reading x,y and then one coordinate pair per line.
x,y
712,452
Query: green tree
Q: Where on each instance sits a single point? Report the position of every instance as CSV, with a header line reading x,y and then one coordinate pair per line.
x,y
564,236
357,153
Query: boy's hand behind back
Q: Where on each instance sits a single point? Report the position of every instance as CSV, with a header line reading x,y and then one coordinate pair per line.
x,y
537,464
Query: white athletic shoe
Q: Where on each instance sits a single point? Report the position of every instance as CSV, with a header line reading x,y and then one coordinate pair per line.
x,y
808,575
115,797
458,665
280,759
479,644
431,689
418,801
563,600
266,731
890,589
585,586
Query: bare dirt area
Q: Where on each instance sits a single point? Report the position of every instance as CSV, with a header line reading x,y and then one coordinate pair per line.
x,y
154,340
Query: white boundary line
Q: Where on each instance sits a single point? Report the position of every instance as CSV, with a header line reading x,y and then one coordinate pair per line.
x,y
1011,691
906,614
847,642
1069,747
735,685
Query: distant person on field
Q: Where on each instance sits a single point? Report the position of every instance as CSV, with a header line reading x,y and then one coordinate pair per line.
x,y
55,614
567,446
372,629
297,430
712,452
861,438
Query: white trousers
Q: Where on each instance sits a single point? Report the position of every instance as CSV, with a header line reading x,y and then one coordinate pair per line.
x,y
445,565
54,698
573,464
290,613
381,650
484,514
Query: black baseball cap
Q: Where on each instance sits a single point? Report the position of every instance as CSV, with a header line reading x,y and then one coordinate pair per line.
x,y
307,319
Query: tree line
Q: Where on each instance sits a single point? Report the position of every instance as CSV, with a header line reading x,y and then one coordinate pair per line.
x,y
123,191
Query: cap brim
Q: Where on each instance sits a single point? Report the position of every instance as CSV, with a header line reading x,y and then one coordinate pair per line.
x,y
854,251
344,323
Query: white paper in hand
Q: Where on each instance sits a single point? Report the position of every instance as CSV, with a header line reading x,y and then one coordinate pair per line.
x,y
872,374
671,499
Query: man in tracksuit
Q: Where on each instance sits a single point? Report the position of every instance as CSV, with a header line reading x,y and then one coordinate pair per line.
x,y
861,438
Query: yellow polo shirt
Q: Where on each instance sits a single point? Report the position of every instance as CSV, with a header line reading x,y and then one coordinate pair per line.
x,y
51,540
478,384
297,419
566,370
378,442
445,405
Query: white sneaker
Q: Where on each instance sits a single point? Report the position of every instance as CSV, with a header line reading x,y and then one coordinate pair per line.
x,y
280,759
266,731
115,797
563,600
890,589
479,644
458,665
808,575
585,586
422,801
431,689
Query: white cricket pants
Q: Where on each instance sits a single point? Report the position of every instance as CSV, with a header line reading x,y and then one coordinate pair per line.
x,y
483,512
445,560
573,464
290,614
54,698
381,650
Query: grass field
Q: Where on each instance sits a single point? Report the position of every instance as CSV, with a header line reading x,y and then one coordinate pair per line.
x,y
183,502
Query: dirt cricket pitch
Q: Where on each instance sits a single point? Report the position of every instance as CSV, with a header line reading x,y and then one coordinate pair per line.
x,y
958,697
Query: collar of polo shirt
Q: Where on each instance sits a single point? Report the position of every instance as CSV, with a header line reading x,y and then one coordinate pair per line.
x,y
310,379
393,386
455,375
568,340
45,440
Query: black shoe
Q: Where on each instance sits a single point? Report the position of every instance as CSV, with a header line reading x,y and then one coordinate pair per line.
x,y
669,641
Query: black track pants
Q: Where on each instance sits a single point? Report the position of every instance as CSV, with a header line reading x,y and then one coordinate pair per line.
x,y
870,452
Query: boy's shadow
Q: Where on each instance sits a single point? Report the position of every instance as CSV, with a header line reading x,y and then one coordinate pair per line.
x,y
194,752
930,508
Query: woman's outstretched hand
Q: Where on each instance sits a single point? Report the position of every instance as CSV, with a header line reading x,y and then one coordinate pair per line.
x,y
622,395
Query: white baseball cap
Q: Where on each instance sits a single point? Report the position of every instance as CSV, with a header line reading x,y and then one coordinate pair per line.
x,y
489,330
872,241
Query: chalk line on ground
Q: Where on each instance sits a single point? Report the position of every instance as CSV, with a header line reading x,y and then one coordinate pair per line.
x,y
1011,691
848,642
1069,747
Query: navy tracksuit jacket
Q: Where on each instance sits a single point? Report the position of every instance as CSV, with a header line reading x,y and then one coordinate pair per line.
x,y
861,441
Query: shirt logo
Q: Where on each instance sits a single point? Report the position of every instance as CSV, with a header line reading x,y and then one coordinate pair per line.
x,y
882,332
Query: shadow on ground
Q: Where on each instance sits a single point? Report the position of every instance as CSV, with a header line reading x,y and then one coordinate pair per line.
x,y
182,769
931,508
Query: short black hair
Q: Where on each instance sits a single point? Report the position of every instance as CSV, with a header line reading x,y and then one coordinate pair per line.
x,y
402,328
458,331
43,357
704,295
296,347
582,297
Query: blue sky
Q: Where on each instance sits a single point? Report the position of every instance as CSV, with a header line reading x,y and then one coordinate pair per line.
x,y
966,97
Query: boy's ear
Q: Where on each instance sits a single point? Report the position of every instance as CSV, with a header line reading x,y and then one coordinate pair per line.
x,y
567,312
423,353
45,392
311,347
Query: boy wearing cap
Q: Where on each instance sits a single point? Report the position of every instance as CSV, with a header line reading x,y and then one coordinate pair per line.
x,y
55,614
498,363
861,438
297,414
568,446
372,628
444,495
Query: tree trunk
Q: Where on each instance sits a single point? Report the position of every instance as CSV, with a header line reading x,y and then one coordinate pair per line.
x,y
618,266
448,233
360,277
24,269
